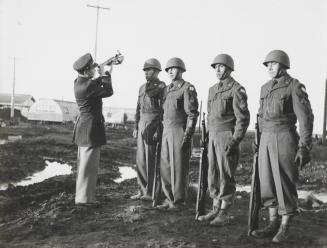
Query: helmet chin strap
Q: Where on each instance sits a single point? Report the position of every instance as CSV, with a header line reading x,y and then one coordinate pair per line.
x,y
177,76
225,74
152,77
280,73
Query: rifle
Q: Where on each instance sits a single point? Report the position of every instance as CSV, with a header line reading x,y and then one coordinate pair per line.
x,y
203,173
157,177
255,195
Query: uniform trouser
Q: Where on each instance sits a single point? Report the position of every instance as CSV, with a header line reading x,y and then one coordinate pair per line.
x,y
145,155
278,172
87,171
221,181
174,167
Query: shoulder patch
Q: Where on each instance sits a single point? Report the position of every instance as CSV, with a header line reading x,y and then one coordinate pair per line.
x,y
242,90
302,88
191,88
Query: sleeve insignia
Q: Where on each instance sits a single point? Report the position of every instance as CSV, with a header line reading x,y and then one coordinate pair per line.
x,y
242,90
302,88
191,88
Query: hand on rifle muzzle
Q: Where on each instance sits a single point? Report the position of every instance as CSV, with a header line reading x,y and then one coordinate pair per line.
x,y
157,134
204,142
231,147
255,148
302,157
186,143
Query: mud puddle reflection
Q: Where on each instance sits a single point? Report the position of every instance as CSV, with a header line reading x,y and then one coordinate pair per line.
x,y
52,169
126,172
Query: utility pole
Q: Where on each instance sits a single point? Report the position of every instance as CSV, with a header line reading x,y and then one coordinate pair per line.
x,y
325,116
12,110
96,27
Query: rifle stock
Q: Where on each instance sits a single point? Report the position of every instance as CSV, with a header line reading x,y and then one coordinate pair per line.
x,y
203,173
157,177
255,195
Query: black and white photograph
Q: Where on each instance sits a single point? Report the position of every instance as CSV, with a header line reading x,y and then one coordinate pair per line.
x,y
186,123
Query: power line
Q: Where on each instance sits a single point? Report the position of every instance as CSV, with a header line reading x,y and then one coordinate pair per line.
x,y
97,7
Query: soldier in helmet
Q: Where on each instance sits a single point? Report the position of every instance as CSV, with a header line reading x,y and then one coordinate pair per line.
x,y
179,120
147,119
228,119
89,131
283,102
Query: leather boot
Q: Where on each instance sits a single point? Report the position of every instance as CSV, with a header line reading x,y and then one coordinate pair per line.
x,y
136,196
271,229
221,219
284,230
213,213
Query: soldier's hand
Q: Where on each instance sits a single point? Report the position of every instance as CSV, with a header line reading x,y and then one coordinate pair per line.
x,y
255,148
101,70
231,147
302,157
186,143
204,142
155,136
135,133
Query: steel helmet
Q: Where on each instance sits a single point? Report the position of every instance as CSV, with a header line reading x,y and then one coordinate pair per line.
x,y
175,62
152,63
224,59
278,56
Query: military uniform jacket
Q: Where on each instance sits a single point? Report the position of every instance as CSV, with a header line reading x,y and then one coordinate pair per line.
x,y
149,102
228,109
89,128
282,103
180,106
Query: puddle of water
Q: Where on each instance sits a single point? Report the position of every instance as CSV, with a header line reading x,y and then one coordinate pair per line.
x,y
302,194
126,172
52,169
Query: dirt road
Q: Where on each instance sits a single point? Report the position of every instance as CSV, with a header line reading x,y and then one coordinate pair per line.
x,y
44,214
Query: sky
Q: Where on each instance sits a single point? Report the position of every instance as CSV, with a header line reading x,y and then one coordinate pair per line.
x,y
47,36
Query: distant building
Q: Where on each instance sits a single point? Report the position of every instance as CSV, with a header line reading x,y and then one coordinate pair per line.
x,y
52,110
22,102
118,115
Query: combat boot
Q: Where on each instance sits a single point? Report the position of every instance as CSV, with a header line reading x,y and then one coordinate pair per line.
x,y
221,219
146,198
213,213
165,205
284,230
136,196
271,229
209,216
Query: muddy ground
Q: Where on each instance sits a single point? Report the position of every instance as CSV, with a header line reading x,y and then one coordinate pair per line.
x,y
44,214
